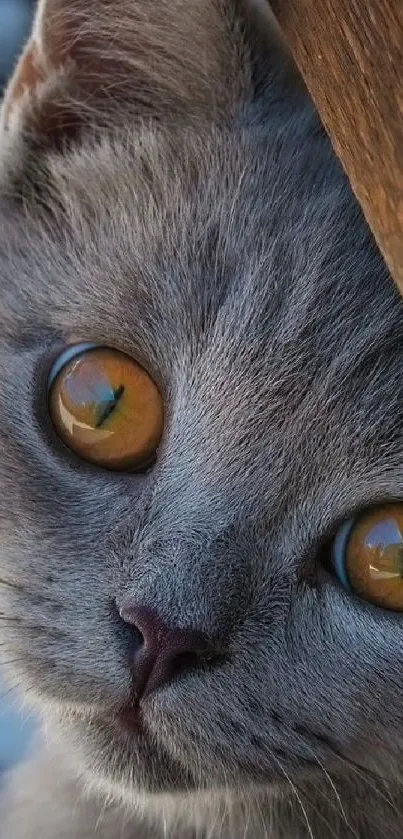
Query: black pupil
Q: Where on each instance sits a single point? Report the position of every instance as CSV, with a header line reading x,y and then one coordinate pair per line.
x,y
110,405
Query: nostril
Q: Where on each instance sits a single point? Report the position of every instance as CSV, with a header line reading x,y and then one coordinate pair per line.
x,y
137,638
128,633
145,622
161,653
180,662
184,661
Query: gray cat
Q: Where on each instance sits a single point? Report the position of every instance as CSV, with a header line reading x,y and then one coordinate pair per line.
x,y
181,619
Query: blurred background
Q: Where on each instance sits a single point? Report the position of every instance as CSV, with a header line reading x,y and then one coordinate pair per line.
x,y
15,23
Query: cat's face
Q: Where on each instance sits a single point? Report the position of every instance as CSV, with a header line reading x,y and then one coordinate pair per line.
x,y
231,261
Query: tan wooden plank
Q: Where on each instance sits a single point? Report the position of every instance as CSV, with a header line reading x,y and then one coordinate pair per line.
x,y
350,53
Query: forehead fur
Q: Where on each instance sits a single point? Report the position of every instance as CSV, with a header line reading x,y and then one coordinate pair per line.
x,y
187,249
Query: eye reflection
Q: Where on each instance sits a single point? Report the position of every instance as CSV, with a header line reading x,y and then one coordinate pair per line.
x,y
385,548
368,556
105,407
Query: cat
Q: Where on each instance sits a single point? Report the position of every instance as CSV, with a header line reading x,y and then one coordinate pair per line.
x,y
167,191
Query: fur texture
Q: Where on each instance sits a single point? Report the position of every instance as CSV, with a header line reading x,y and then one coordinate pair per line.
x,y
166,189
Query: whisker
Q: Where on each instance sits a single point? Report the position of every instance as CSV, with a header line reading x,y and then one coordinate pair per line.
x,y
371,779
333,787
32,627
11,661
9,618
9,691
21,690
322,817
10,584
260,813
296,793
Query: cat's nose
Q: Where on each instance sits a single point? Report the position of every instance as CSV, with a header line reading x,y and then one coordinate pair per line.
x,y
160,653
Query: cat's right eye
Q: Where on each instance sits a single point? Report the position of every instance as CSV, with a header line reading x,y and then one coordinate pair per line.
x,y
105,407
367,556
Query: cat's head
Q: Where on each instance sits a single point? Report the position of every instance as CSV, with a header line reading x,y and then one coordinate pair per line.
x,y
166,192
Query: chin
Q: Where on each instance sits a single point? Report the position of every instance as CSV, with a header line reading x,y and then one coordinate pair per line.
x,y
125,759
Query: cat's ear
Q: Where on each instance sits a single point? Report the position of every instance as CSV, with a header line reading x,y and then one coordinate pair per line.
x,y
87,60
39,98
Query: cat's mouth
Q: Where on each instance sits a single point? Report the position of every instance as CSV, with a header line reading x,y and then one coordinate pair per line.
x,y
161,758
130,718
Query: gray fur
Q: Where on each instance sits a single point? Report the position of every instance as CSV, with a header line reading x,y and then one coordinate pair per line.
x,y
222,247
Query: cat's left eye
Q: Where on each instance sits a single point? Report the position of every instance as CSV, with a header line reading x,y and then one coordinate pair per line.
x,y
105,407
367,556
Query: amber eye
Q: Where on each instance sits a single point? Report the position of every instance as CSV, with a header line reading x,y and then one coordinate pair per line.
x,y
368,556
105,407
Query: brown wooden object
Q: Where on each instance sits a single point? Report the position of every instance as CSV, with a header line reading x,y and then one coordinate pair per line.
x,y
350,53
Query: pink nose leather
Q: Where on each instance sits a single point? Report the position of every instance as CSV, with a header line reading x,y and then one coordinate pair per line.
x,y
163,653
